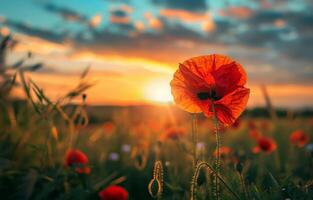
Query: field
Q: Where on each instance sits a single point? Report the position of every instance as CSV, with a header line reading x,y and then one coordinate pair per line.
x,y
123,143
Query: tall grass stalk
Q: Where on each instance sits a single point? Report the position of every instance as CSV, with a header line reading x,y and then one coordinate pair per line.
x,y
195,177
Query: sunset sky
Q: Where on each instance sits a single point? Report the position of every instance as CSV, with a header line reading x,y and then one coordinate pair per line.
x,y
134,46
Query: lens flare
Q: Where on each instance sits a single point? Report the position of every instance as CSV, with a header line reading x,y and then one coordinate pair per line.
x,y
158,91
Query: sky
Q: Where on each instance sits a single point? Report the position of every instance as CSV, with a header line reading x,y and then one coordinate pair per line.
x,y
133,47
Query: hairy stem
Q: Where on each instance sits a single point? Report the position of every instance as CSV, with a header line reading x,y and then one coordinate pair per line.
x,y
194,135
217,159
194,152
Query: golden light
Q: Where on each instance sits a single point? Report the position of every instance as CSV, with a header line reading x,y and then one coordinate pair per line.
x,y
158,91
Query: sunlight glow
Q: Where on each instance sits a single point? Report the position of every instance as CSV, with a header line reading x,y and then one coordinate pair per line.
x,y
158,91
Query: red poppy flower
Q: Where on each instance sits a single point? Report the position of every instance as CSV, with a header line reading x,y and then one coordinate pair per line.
x,y
254,134
299,138
214,79
266,144
224,151
109,127
113,193
77,159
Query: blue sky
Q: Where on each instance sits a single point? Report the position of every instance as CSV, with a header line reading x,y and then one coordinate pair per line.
x,y
273,39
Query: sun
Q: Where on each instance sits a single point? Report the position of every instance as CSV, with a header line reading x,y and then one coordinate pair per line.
x,y
158,91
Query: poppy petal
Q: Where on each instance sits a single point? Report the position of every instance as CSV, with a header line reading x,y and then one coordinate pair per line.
x,y
182,95
228,77
229,108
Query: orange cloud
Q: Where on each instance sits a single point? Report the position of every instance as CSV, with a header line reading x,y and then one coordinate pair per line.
x,y
119,20
95,20
155,24
139,25
40,46
184,15
4,31
239,12
208,26
280,23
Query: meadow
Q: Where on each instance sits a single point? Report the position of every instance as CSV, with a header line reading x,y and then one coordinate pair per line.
x,y
149,151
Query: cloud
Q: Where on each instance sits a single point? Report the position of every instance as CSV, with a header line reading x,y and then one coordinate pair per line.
x,y
119,20
4,31
140,26
184,15
208,25
95,21
288,32
197,6
237,12
70,15
67,14
38,32
155,23
120,16
277,36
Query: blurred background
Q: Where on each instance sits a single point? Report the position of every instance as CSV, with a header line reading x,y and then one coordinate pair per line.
x,y
133,47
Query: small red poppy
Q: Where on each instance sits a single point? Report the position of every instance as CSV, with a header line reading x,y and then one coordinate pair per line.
x,y
113,193
77,159
213,79
299,138
265,144
254,134
109,127
224,151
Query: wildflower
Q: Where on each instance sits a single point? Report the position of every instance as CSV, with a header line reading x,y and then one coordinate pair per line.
x,y
126,148
224,151
299,138
200,146
214,79
114,156
78,160
113,192
266,144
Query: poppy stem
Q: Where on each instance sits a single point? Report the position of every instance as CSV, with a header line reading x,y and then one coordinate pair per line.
x,y
194,138
194,135
217,159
